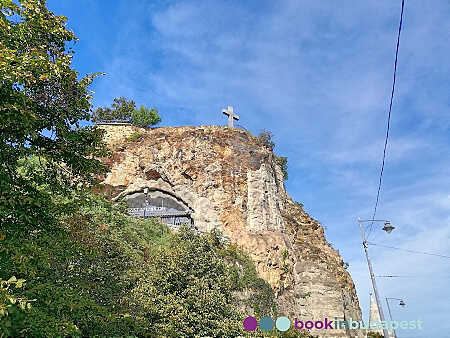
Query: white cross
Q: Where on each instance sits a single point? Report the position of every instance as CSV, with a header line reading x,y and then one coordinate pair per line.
x,y
230,115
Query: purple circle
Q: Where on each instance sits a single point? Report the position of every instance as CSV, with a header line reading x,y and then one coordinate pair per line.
x,y
250,324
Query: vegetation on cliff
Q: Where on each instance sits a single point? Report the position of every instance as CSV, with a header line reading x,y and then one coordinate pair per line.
x,y
123,110
266,139
98,272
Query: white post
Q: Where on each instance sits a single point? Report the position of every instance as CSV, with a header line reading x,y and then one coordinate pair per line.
x,y
374,283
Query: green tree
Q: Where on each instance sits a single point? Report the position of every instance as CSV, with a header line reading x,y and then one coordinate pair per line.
x,y
76,274
122,110
266,138
284,166
187,291
144,117
42,102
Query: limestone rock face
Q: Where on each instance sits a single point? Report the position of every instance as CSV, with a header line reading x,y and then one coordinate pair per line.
x,y
234,183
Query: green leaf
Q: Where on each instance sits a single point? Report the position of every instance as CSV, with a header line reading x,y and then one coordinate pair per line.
x,y
20,283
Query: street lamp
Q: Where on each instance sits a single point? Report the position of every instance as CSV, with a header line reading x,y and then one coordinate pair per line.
x,y
388,228
402,304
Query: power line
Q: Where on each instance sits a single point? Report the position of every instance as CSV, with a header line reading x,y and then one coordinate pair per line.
x,y
389,115
417,252
390,276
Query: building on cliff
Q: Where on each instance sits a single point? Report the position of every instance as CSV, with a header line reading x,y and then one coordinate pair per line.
x,y
228,180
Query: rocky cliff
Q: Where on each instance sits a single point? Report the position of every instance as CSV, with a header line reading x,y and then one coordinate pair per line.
x,y
234,183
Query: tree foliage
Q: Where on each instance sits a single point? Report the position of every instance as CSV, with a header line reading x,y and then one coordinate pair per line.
x,y
374,335
266,138
187,290
284,166
41,103
144,117
99,272
122,110
77,272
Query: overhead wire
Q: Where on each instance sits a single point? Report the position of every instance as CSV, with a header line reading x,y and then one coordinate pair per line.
x,y
389,117
391,276
417,252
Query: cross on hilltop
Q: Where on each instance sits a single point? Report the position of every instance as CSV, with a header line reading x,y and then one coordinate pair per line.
x,y
231,116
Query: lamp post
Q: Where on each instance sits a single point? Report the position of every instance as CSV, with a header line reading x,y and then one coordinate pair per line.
x,y
402,304
388,228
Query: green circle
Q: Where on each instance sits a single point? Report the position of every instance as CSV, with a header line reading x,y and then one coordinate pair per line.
x,y
266,323
283,324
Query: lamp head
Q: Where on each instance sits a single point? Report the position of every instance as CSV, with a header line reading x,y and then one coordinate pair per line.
x,y
402,303
388,227
145,190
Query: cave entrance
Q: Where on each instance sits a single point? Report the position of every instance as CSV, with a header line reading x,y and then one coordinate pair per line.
x,y
157,203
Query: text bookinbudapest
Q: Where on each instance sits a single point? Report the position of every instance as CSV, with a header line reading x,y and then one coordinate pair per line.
x,y
283,324
354,324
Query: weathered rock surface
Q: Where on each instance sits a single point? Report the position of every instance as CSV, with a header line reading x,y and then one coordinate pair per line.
x,y
234,183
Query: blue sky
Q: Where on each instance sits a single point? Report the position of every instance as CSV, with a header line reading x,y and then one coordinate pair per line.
x,y
318,74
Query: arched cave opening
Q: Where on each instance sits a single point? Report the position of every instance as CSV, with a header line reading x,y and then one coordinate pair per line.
x,y
171,209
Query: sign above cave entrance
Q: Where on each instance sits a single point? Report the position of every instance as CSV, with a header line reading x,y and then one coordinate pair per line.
x,y
156,203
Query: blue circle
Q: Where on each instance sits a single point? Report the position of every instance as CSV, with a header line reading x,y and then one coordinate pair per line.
x,y
266,323
283,324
